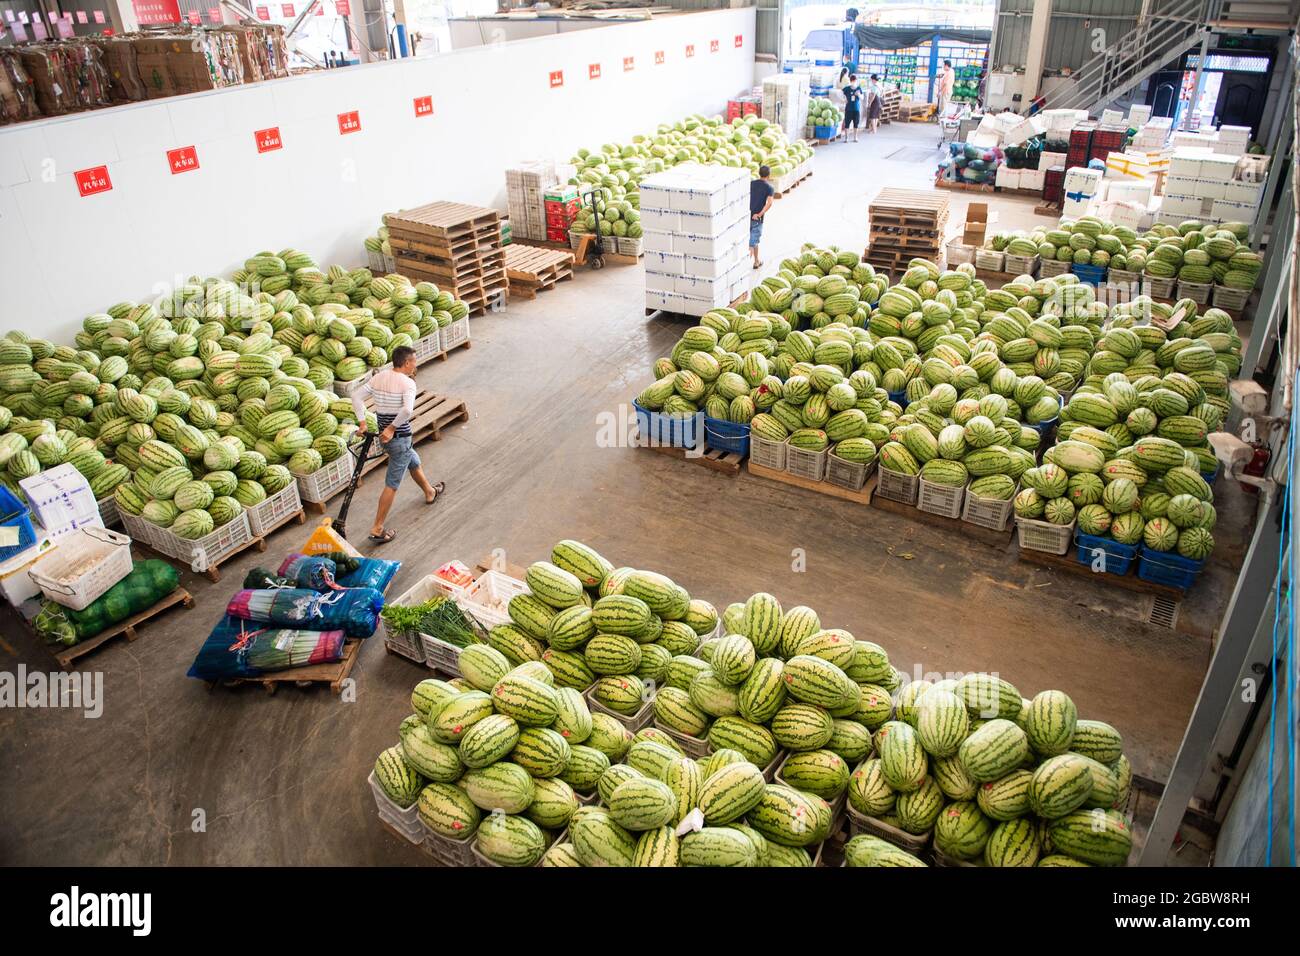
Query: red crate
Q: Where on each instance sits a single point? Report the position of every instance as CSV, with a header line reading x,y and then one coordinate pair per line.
x,y
1054,184
557,235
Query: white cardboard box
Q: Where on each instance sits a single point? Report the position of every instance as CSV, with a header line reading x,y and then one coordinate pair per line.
x,y
1007,178
1111,117
1178,185
1074,208
1248,193
1184,164
15,584
1210,189
61,501
1219,168
660,220
1080,180
707,268
669,263
1032,178
1047,160
1138,114
660,281
668,301
654,241
1225,210
1131,190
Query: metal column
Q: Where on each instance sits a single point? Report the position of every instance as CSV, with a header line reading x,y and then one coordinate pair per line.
x,y
1275,291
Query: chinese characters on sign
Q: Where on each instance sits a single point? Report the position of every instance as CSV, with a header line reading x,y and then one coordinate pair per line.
x,y
286,10
349,122
343,7
154,11
557,78
690,49
628,64
659,57
713,46
593,71
424,106
182,160
268,139
740,40
93,180
263,13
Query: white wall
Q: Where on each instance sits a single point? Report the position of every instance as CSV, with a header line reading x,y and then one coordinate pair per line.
x,y
479,31
66,256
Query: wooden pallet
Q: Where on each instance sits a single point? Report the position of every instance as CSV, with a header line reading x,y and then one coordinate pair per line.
x,y
723,462
916,112
66,655
862,496
1069,564
467,344
994,539
912,245
444,220
531,270
1047,209
1017,191
908,208
963,187
333,674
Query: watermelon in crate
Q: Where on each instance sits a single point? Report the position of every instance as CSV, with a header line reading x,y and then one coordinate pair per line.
x,y
1104,554
657,430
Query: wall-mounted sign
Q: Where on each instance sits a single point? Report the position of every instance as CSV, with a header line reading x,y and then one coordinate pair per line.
x,y
349,122
268,139
182,160
155,11
424,106
557,78
629,64
93,180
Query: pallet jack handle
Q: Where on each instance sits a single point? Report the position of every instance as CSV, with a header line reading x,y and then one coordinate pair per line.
x,y
361,452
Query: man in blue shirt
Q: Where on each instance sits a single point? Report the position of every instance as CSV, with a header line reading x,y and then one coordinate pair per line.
x,y
761,195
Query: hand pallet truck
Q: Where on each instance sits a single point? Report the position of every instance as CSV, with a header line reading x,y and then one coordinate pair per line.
x,y
596,247
361,452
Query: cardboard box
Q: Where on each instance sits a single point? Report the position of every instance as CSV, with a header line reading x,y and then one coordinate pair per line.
x,y
1251,194
1047,160
977,224
1112,118
654,241
1033,179
1138,114
1126,165
1007,178
1218,168
1185,164
1073,208
1225,210
1080,180
1210,189
1131,190
16,586
61,500
1252,168
667,301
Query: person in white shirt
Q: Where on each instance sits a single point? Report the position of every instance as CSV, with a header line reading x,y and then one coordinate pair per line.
x,y
393,392
946,78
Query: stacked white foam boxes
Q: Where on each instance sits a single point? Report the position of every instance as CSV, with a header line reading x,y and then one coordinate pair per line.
x,y
1081,191
1201,185
785,102
62,501
696,230
1193,138
1233,140
1153,134
1138,115
524,187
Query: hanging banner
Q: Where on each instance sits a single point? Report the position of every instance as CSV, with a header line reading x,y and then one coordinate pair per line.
x,y
154,11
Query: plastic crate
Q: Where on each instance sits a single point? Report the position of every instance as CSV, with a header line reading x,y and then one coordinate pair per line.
x,y
448,852
805,463
208,551
399,816
271,513
824,132
1157,287
896,486
1123,277
943,859
140,531
848,474
990,260
575,239
691,746
668,431
1091,275
726,436
913,843
489,594
1212,476
345,389
768,453
991,513
836,805
86,563
769,772
14,514
325,483
1044,536
455,334
1052,267
943,500
1118,557
428,347
1229,298
409,644
898,398
633,722
108,512
1022,265
1198,292
1165,567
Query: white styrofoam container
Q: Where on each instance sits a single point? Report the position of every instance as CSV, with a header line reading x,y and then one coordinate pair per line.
x,y
660,282
1032,178
1210,189
667,301
61,500
16,585
669,263
660,220
707,267
1248,193
1047,160
658,241
1007,178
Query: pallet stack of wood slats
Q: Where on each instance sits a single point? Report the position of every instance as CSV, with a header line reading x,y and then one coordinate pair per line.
x,y
455,246
905,224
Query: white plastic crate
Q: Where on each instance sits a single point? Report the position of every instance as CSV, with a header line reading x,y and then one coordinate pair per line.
x,y
208,551
1157,287
628,247
1044,536
943,500
323,484
896,486
633,722
768,453
552,837
1022,265
805,463
992,513
345,389
1224,298
448,852
491,591
861,823
406,820
457,333
691,746
140,531
989,259
428,347
1198,292
86,563
271,513
108,512
1052,267
848,474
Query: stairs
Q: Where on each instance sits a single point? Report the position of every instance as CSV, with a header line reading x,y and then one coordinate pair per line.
x,y
1169,29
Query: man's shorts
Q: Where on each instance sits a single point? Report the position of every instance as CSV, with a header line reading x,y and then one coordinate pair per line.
x,y
401,457
755,231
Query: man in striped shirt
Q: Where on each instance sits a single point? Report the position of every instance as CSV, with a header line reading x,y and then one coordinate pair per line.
x,y
393,392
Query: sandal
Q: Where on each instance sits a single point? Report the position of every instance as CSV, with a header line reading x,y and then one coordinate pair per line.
x,y
438,488
384,538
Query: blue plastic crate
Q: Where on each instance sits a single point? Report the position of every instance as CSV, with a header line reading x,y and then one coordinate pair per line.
x,y
1212,476
824,132
1119,557
726,436
1092,275
899,397
1166,567
669,431
1044,427
13,513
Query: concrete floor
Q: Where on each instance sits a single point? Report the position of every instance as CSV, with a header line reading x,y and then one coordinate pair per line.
x,y
173,773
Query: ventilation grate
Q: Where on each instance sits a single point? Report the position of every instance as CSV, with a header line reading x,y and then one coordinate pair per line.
x,y
1164,612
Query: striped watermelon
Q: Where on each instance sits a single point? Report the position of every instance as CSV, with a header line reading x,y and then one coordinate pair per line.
x,y
658,847
786,816
733,658
869,794
449,720
867,850
599,841
620,614
796,624
568,669
651,757
951,777
875,706
677,637
816,771
761,622
802,727
1099,837
555,586
1060,785
500,786
1050,723
673,708
1012,843
718,846
532,615
611,778
623,693
541,751
612,654
988,696
528,701
608,737
962,831
448,811
850,739
1007,797
683,669
657,591
870,663
489,740
397,778
684,778
554,803
816,681
763,691
429,693
510,840
1098,740
482,666
830,644
918,810
994,750
712,696
941,723
642,804
582,562
902,759
571,628
755,742
430,759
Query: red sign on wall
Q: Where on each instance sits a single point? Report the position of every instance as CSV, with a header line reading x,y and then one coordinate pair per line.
x,y
82,17
740,40
629,64
268,139
214,14
343,7
424,106
713,46
349,122
557,78
286,10
690,49
99,16
182,160
155,11
93,180
659,57
193,18
263,13
593,71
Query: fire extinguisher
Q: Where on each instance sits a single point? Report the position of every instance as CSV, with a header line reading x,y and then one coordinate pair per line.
x,y
1257,467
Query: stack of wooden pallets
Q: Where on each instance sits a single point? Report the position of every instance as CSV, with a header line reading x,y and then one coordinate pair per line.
x,y
905,224
532,270
455,246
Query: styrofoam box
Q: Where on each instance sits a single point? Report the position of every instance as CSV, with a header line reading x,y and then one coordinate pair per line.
x,y
713,224
740,274
668,301
1125,214
708,268
1218,168
691,306
1074,208
660,220
1211,189
698,287
653,197
1180,185
655,241
1080,180
1248,193
1032,178
1227,210
1138,114
670,263
1186,163
1111,117
660,282
1047,160
1008,178
709,245
1241,133
1131,190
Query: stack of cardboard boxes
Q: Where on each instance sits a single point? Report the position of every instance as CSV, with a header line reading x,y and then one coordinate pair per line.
x,y
785,102
696,222
1204,185
525,186
560,206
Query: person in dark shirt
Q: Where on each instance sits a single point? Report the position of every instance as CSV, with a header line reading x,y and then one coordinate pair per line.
x,y
852,106
761,196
